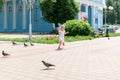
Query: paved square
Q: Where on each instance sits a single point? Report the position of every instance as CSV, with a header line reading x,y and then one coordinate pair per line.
x,y
96,59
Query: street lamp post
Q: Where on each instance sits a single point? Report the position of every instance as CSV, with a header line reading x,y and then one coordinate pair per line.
x,y
30,7
107,28
105,16
110,8
105,11
30,20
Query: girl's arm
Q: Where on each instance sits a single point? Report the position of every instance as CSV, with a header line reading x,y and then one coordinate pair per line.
x,y
66,32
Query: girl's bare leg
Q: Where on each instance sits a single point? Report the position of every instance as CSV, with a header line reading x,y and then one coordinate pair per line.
x,y
59,45
63,44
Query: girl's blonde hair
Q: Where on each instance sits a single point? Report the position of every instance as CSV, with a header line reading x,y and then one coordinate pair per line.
x,y
62,26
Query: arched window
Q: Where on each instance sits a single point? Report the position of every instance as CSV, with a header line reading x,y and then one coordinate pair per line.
x,y
9,9
1,8
36,8
19,8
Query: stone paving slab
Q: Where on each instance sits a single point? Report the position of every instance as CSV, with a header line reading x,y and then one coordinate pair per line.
x,y
96,59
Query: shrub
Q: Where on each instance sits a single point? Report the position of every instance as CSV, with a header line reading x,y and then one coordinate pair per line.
x,y
77,27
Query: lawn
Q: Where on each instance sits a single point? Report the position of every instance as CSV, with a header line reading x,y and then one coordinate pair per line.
x,y
53,39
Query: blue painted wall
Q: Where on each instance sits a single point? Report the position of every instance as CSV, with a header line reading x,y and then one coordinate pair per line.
x,y
90,15
1,20
38,23
82,8
96,17
9,16
19,16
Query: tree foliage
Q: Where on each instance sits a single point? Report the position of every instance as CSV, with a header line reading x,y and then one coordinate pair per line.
x,y
113,17
58,11
1,2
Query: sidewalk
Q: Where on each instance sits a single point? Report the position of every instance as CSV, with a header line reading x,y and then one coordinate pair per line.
x,y
18,35
96,59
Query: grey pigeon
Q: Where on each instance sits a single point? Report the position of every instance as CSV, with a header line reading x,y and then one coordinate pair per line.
x,y
14,43
47,64
31,44
5,54
25,44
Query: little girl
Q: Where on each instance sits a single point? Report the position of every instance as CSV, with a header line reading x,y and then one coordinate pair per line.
x,y
61,36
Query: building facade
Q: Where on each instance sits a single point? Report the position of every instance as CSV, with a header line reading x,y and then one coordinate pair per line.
x,y
14,16
93,10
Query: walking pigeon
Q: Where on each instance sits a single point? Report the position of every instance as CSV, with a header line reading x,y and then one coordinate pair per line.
x,y
5,54
14,43
47,64
31,44
25,44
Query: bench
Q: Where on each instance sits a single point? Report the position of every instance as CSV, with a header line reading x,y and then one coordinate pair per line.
x,y
95,32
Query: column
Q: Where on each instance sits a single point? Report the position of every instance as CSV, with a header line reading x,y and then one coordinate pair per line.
x,y
14,14
86,10
24,14
79,16
5,14
99,18
93,17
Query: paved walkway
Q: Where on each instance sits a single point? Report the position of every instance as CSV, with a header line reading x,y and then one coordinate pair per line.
x,y
96,59
20,35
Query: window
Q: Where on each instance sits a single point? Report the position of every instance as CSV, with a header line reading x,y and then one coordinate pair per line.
x,y
1,8
20,8
36,8
9,9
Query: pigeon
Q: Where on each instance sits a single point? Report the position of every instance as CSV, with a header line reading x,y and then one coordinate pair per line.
x,y
31,44
14,43
5,54
47,64
25,44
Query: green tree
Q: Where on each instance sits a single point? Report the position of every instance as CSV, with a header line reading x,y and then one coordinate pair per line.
x,y
117,9
110,14
109,3
113,17
58,11
1,3
118,17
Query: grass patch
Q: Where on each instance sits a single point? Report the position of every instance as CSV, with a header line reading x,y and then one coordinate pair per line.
x,y
15,39
77,38
48,39
54,39
114,34
110,35
45,40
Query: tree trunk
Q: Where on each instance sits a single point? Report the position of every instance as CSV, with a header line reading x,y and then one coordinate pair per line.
x,y
55,31
56,25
